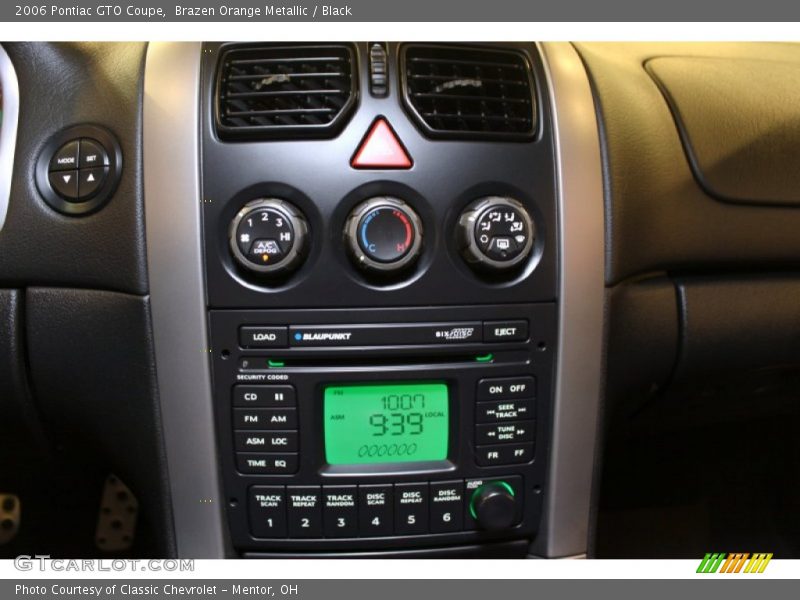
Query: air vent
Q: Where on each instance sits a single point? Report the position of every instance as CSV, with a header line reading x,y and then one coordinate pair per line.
x,y
469,93
284,91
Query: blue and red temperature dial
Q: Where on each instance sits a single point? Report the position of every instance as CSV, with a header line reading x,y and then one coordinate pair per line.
x,y
383,234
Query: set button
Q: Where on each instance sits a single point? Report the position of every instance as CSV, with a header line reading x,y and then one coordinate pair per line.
x,y
504,421
78,169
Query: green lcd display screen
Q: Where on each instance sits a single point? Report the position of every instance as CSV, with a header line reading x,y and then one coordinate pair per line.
x,y
386,423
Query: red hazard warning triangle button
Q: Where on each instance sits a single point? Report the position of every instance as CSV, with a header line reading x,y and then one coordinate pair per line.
x,y
381,149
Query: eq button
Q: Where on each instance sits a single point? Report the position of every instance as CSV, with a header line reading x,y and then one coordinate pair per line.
x,y
267,464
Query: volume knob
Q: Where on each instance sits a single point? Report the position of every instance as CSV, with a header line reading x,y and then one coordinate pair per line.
x,y
494,506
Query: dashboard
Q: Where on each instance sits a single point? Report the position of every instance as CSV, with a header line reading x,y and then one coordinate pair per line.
x,y
395,299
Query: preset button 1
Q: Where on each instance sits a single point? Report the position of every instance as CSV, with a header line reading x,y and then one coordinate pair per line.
x,y
267,508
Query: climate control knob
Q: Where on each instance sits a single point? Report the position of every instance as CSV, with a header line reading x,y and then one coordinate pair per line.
x,y
494,506
496,233
269,236
383,234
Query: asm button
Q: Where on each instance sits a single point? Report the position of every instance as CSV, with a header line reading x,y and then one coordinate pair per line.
x,y
267,464
265,441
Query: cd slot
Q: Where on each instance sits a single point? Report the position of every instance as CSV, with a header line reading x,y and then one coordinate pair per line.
x,y
270,363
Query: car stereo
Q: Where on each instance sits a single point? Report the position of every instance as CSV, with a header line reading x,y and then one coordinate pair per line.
x,y
397,428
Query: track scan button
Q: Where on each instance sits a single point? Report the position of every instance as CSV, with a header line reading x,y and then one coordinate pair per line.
x,y
267,508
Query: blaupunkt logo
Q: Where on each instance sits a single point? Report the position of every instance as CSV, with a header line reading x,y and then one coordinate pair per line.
x,y
734,562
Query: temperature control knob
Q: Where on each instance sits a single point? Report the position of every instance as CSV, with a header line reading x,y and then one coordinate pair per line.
x,y
494,506
383,234
496,233
269,236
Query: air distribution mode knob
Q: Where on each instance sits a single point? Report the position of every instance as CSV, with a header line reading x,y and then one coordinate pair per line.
x,y
383,234
494,506
269,236
496,233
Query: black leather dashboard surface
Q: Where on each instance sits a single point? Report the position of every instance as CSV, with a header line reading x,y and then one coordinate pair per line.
x,y
739,121
658,216
61,85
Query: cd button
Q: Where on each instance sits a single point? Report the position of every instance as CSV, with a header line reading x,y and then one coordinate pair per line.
x,y
304,510
264,395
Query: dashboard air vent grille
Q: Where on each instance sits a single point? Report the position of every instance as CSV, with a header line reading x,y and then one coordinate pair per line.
x,y
469,93
284,91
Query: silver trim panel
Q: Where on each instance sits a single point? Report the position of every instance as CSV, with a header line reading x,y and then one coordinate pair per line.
x,y
581,304
177,293
8,130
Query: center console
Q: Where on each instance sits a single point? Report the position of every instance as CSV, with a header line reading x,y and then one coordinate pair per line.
x,y
378,251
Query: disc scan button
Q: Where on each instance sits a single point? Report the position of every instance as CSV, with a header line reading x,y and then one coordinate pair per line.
x,y
263,337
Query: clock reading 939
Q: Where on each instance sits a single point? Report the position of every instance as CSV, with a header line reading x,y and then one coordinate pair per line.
x,y
386,423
